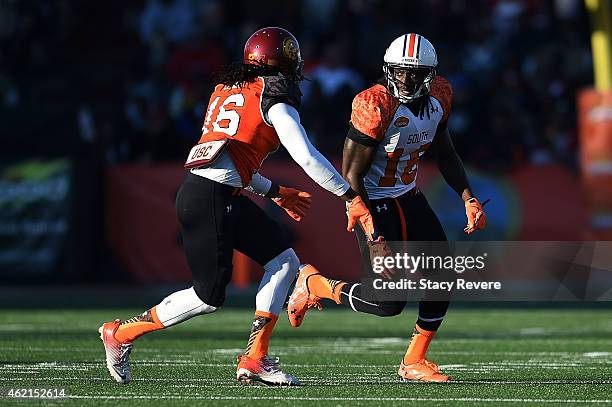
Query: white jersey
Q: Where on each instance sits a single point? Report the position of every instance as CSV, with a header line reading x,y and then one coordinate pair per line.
x,y
402,137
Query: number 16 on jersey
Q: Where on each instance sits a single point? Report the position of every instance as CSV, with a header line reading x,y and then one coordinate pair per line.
x,y
227,119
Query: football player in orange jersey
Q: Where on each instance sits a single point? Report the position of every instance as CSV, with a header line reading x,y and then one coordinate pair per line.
x,y
392,124
252,111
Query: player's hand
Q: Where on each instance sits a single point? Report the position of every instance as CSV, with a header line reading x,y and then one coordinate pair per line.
x,y
296,203
357,211
475,215
380,248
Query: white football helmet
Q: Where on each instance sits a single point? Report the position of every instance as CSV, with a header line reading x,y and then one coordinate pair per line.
x,y
414,54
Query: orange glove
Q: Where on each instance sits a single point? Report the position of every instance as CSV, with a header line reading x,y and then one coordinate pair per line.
x,y
475,215
356,211
380,248
294,202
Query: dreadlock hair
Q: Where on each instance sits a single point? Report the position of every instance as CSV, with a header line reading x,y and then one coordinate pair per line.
x,y
240,74
424,106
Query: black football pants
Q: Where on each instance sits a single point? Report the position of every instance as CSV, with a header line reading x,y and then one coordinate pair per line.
x,y
215,220
405,218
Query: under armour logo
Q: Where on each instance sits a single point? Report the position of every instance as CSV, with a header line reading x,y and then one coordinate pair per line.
x,y
229,208
381,208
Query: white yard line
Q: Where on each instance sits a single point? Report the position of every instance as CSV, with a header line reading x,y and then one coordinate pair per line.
x,y
273,398
316,380
290,349
497,365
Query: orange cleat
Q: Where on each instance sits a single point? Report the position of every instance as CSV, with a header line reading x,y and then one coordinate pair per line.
x,y
423,370
301,300
265,370
117,353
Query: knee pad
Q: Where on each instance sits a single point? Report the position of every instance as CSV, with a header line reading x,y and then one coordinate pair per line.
x,y
286,265
287,257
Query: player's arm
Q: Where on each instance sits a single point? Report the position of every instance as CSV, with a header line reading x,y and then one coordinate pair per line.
x,y
357,158
452,169
286,122
295,202
450,164
369,118
260,185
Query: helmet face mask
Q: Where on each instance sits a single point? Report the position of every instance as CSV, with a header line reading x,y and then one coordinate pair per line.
x,y
408,82
410,66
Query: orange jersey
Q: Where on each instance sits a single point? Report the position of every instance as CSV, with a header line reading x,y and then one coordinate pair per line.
x,y
400,136
239,115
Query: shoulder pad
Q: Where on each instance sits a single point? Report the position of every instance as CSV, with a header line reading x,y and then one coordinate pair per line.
x,y
281,88
373,110
442,90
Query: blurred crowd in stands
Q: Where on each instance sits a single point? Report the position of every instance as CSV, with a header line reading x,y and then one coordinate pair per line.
x,y
130,80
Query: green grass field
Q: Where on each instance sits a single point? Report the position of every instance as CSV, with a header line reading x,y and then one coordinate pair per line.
x,y
497,357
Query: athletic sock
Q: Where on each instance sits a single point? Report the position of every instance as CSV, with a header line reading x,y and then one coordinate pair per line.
x,y
263,324
324,287
431,314
419,343
139,325
174,309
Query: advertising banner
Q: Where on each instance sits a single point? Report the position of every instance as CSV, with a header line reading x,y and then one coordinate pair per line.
x,y
34,216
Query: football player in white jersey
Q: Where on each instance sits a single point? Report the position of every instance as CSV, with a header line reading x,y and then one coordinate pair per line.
x,y
394,123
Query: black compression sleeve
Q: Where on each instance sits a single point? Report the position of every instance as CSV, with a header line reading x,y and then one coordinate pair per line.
x,y
449,163
359,137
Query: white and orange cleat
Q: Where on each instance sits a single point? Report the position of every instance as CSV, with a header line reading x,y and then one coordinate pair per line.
x,y
265,370
117,353
301,300
423,370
